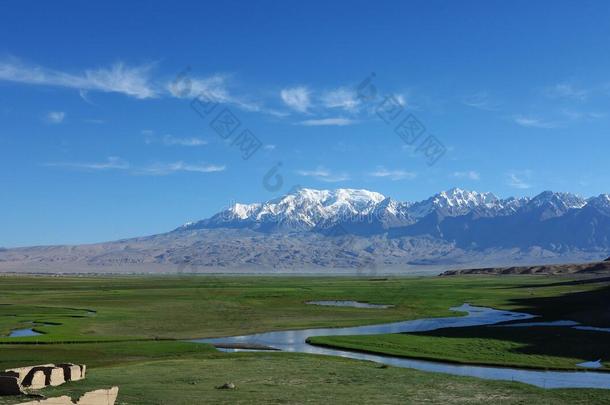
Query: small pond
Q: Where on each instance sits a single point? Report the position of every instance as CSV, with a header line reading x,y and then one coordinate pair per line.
x,y
23,333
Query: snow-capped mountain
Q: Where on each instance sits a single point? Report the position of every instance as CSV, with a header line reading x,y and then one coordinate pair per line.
x,y
456,202
465,219
303,209
347,228
369,212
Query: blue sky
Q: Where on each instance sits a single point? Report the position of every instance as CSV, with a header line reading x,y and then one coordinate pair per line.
x,y
98,139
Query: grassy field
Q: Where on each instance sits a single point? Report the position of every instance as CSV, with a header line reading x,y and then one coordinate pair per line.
x,y
285,378
542,347
587,301
194,307
123,327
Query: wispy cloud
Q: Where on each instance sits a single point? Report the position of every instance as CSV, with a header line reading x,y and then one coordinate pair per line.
x,y
214,87
85,96
323,174
480,100
342,97
157,169
337,121
393,174
217,88
119,78
534,122
55,117
111,163
162,169
170,140
567,90
519,179
574,115
469,174
297,98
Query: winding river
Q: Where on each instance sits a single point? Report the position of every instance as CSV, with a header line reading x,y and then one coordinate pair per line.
x,y
295,341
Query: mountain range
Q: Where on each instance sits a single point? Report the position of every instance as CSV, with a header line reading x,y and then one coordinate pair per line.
x,y
353,229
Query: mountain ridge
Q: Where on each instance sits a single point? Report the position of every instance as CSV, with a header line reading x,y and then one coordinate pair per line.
x,y
353,229
310,209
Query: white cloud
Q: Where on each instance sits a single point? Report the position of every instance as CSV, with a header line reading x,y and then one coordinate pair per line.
x,y
323,174
84,95
481,101
55,117
393,174
338,121
519,180
533,122
582,115
567,90
111,163
170,140
297,98
342,97
269,147
162,169
214,88
470,175
118,78
158,169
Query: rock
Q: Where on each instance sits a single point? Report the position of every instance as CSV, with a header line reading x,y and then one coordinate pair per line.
x,y
56,376
64,400
100,397
97,397
38,377
226,386
73,372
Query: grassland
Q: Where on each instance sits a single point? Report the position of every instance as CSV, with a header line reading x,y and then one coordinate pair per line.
x,y
588,302
542,347
286,378
129,340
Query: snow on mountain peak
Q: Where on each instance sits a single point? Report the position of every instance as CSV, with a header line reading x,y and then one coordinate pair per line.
x,y
455,202
460,198
307,208
302,208
559,200
242,211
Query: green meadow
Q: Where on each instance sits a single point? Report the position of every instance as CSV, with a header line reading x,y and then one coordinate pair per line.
x,y
131,332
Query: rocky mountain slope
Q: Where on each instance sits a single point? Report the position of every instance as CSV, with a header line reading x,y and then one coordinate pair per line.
x,y
583,269
353,229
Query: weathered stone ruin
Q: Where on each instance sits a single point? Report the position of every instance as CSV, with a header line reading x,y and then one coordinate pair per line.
x,y
17,381
97,397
